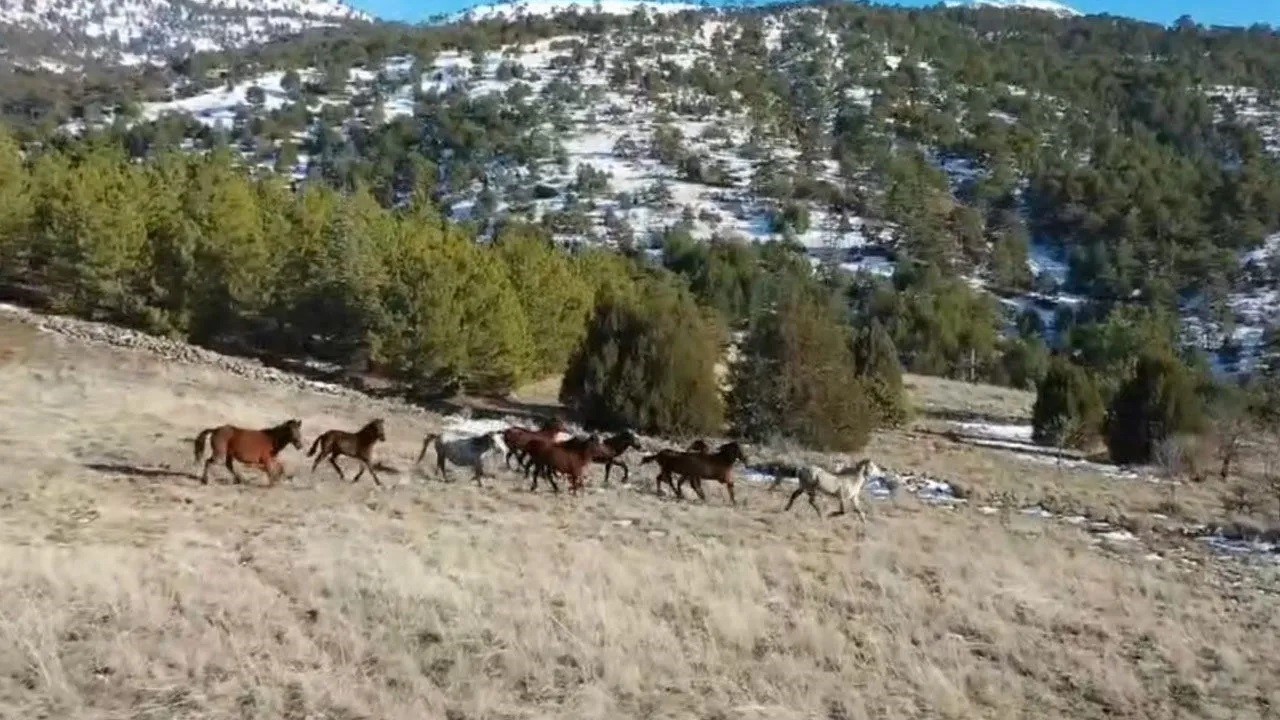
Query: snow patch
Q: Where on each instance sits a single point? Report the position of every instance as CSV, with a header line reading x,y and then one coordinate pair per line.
x,y
1048,6
550,8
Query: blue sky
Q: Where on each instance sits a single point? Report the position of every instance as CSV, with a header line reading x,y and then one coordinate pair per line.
x,y
1209,12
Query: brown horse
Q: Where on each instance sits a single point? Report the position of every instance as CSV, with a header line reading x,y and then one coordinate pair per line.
x,y
333,444
517,440
697,446
257,448
570,457
697,466
611,449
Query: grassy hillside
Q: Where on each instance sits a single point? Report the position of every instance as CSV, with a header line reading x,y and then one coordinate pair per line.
x,y
132,591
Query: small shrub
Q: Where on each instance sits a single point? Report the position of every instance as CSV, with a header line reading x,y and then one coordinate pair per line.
x,y
647,362
1068,411
876,358
796,378
1159,401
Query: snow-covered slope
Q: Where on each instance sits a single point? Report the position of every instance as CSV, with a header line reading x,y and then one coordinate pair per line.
x,y
136,31
513,9
1049,6
600,160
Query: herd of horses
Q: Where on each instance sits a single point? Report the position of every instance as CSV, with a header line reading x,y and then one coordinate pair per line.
x,y
538,453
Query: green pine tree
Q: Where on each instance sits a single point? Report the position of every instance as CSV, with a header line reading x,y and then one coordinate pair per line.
x,y
648,362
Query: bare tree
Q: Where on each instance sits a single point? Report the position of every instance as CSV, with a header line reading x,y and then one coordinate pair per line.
x,y
1232,424
1067,432
1179,458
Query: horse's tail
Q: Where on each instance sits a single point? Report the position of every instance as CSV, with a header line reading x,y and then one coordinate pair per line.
x,y
198,444
316,445
426,443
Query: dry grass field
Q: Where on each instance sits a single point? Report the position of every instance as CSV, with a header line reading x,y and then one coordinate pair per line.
x,y
131,591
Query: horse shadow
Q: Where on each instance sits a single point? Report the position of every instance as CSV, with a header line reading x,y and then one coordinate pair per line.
x,y
137,472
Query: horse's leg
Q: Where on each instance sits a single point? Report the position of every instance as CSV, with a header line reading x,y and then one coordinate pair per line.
x,y
319,457
728,484
360,474
479,470
795,495
813,501
234,473
333,460
626,472
839,510
857,507
440,465
204,476
696,484
665,476
369,466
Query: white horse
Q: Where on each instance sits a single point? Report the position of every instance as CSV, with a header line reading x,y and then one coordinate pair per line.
x,y
846,485
465,452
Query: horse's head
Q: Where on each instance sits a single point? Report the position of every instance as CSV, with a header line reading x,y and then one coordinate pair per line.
x,y
626,440
732,452
554,425
378,427
294,428
699,446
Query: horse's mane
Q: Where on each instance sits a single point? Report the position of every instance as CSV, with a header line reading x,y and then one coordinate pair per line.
x,y
860,467
370,428
729,449
624,438
282,434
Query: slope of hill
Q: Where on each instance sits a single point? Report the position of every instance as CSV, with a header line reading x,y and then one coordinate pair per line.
x,y
618,133
319,598
64,35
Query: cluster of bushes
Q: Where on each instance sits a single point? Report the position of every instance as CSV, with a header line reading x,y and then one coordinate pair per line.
x,y
1161,398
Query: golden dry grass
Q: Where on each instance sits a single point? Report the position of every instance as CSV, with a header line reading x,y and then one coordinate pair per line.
x,y
133,592
953,398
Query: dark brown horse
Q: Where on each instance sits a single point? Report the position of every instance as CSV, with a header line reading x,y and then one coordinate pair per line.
x,y
611,449
517,440
696,466
257,448
570,457
333,444
697,446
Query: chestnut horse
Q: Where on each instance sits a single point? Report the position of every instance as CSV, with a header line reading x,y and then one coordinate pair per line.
x,y
257,448
518,438
333,444
570,457
696,466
